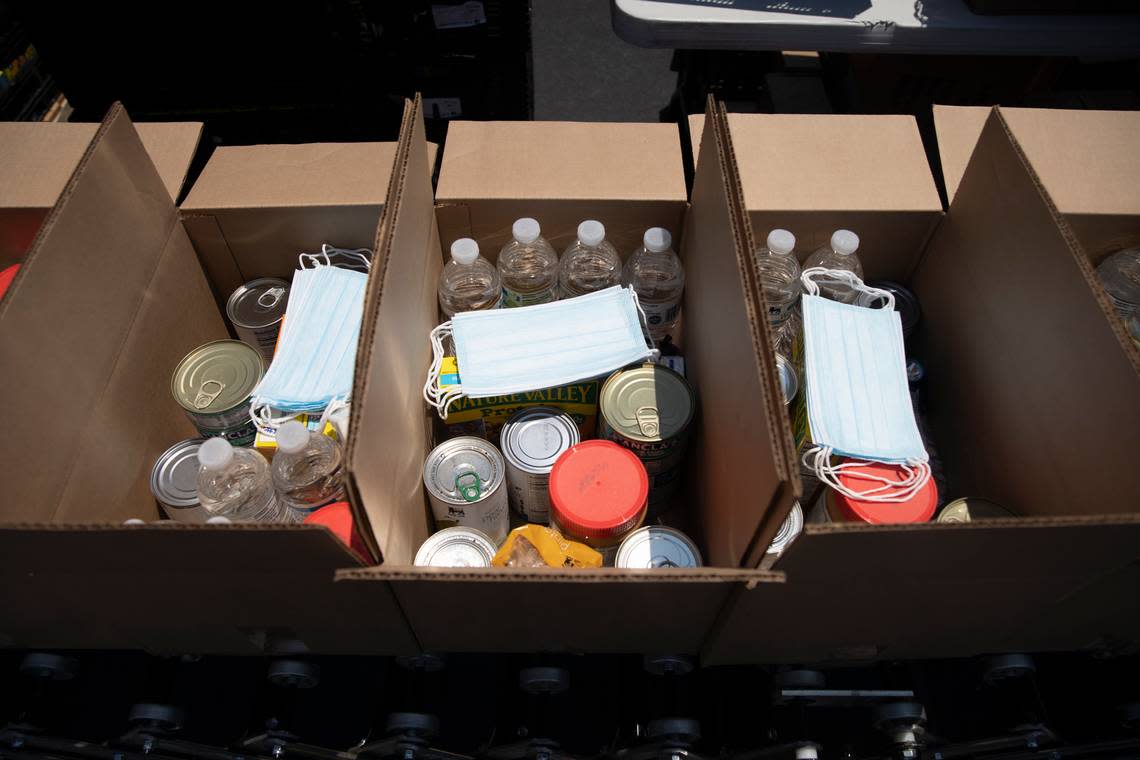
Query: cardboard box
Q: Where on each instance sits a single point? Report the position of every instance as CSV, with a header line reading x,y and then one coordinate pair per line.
x,y
1033,392
36,160
111,296
630,177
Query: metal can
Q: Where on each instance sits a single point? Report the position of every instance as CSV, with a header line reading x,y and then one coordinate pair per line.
x,y
256,310
213,384
657,546
531,441
970,509
174,482
465,478
789,381
647,409
792,526
456,547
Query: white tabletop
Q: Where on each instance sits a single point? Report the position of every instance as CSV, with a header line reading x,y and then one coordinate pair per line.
x,y
868,26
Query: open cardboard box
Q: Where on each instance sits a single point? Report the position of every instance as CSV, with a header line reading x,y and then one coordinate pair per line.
x,y
111,296
1033,393
629,177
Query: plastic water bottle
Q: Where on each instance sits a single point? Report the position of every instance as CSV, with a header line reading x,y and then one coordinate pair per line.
x,y
590,264
656,275
235,484
469,282
780,279
308,469
839,254
528,266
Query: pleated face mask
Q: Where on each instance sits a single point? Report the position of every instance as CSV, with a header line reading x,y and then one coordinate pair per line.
x,y
857,397
504,351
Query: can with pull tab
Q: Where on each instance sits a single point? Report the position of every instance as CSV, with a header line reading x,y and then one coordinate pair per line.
x,y
465,480
213,384
256,310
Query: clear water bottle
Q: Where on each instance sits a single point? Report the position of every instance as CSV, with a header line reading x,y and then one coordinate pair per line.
x,y
469,282
236,484
528,266
839,254
590,264
308,469
780,279
656,275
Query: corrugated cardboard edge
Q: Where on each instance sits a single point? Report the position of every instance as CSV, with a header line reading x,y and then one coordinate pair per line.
x,y
381,252
783,445
560,575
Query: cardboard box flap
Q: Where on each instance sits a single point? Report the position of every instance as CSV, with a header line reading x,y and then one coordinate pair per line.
x,y
389,432
604,610
932,590
725,324
1019,369
957,129
628,176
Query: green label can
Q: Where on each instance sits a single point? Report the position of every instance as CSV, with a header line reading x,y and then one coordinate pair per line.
x,y
213,384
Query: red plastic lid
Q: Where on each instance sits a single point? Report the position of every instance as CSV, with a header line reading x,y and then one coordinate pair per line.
x,y
919,508
6,278
337,517
598,489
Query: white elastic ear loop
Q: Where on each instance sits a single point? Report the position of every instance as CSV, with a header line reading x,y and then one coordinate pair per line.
x,y
654,352
334,406
818,459
435,396
264,421
867,294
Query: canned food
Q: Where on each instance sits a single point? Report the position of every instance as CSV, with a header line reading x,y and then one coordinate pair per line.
x,y
532,440
657,546
464,478
789,381
792,526
598,495
456,547
213,384
970,509
174,482
916,509
256,310
647,409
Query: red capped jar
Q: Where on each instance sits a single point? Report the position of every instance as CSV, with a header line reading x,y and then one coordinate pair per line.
x,y
917,509
598,495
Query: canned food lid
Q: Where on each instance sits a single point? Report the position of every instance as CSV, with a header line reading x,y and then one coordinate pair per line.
x,y
337,517
657,546
259,303
647,403
791,527
598,488
463,470
919,508
217,376
789,382
973,508
534,438
174,477
456,547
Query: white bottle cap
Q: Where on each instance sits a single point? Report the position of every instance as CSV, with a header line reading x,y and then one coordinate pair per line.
x,y
292,437
844,242
526,230
215,454
465,251
781,241
657,239
591,232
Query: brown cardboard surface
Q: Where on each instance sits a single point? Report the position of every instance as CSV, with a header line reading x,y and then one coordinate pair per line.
x,y
813,174
957,128
126,299
255,208
37,159
628,176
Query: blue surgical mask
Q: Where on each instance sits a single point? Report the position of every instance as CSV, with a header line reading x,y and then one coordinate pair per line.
x,y
857,397
316,351
503,351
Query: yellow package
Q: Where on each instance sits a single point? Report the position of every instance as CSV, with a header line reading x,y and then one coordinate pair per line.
x,y
537,545
266,443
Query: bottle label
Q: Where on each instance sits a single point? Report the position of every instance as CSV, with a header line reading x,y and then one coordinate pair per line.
x,y
512,298
658,314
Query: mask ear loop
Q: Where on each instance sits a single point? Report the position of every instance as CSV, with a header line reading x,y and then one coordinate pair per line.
x,y
867,294
654,352
264,421
436,397
916,474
